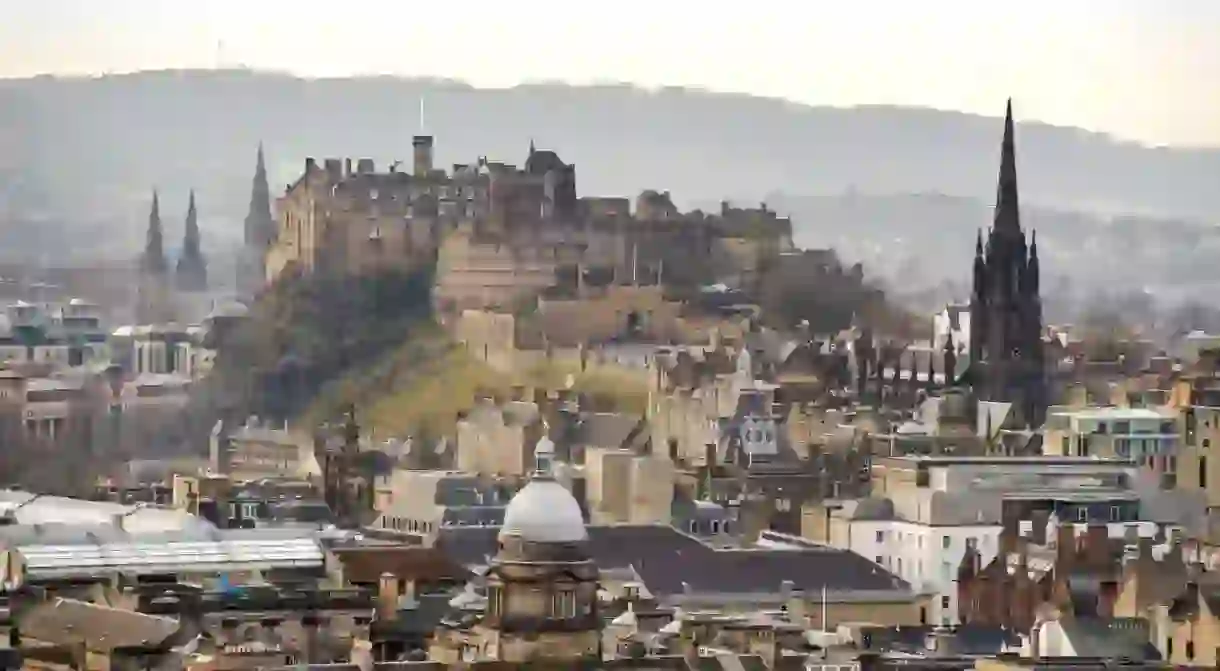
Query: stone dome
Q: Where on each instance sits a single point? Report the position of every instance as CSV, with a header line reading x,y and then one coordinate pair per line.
x,y
544,511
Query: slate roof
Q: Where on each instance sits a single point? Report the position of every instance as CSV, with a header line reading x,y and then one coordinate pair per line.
x,y
100,628
665,559
963,641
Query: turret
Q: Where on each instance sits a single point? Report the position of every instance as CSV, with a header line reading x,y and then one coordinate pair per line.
x,y
422,148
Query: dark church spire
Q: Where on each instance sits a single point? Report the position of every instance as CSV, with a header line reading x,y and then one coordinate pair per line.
x,y
192,270
1007,207
260,227
1032,270
1006,361
152,262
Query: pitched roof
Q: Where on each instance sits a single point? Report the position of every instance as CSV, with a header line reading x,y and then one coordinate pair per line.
x,y
100,627
667,560
367,564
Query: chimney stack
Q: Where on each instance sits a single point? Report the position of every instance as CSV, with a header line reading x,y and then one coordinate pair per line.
x,y
387,596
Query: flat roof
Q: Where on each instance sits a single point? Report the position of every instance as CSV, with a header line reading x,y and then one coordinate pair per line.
x,y
1001,460
64,561
1115,413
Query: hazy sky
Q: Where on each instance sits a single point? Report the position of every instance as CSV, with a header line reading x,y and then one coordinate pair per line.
x,y
1148,70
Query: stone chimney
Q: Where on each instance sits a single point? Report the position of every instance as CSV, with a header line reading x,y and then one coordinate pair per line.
x,y
1097,545
1065,547
387,596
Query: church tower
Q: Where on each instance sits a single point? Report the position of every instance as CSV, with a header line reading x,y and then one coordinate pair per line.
x,y
1006,353
260,231
192,271
153,299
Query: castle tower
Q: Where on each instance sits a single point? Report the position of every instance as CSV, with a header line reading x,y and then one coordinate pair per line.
x,y
1006,358
192,271
259,234
542,585
421,146
153,299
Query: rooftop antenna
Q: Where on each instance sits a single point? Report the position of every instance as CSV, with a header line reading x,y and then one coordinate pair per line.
x,y
421,114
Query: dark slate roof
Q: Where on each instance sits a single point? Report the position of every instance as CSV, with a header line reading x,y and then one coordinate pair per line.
x,y
961,641
665,558
1110,639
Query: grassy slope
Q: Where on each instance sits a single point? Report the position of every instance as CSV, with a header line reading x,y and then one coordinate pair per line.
x,y
419,388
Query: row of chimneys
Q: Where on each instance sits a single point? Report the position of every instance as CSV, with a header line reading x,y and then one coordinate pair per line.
x,y
339,169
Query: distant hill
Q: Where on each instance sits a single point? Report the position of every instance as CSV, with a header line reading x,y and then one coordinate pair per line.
x,y
925,240
79,156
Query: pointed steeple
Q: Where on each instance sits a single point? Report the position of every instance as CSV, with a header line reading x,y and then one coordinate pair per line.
x,y
949,354
190,239
259,226
1033,282
1007,205
152,262
532,149
192,270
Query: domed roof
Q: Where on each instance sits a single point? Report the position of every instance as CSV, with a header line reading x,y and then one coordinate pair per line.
x,y
544,511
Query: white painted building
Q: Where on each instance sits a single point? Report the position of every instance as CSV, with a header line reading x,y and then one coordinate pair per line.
x,y
1147,436
927,511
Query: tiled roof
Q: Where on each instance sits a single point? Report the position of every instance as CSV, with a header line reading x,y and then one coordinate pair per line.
x,y
667,559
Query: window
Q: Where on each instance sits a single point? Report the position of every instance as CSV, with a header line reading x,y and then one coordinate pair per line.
x,y
946,572
1203,472
946,542
1190,650
1082,514
880,536
944,601
563,604
880,560
1115,513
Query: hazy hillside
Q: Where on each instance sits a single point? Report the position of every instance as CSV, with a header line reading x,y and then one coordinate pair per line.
x,y
81,155
919,241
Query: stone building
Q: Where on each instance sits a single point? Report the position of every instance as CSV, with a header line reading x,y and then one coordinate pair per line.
x,y
541,587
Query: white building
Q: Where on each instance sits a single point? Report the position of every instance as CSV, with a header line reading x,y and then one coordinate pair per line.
x,y
926,511
1147,436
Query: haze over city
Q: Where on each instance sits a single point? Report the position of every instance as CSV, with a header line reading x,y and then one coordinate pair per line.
x,y
1139,70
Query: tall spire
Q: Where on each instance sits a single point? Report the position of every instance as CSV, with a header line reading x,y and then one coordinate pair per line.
x,y
152,262
260,227
192,270
1007,206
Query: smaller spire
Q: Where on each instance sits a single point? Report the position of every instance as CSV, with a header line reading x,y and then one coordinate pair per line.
x,y
532,149
978,242
153,260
